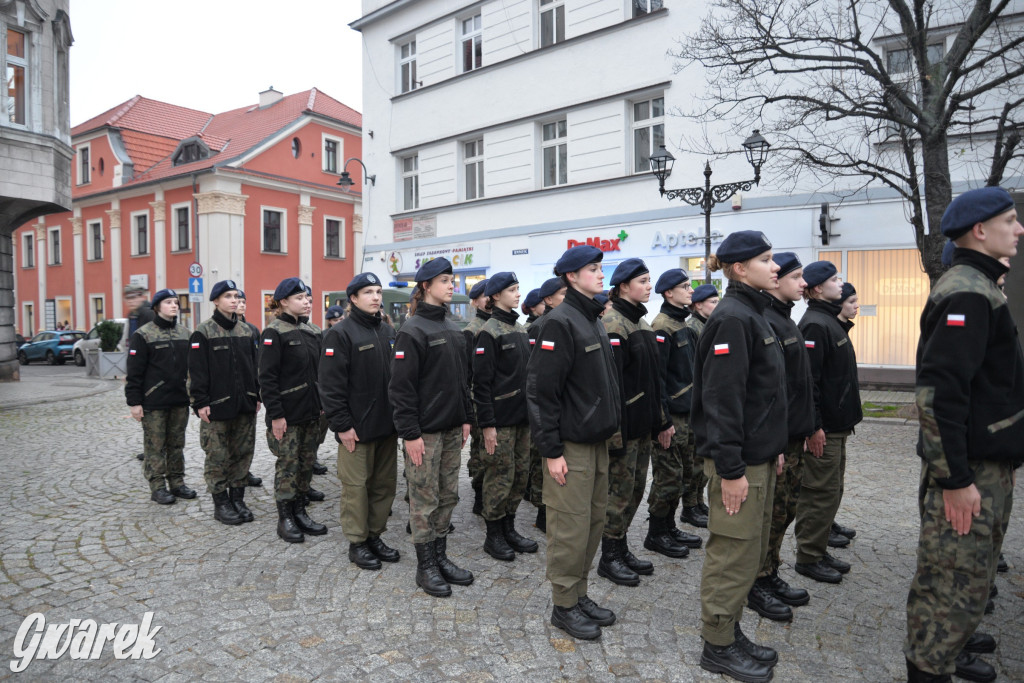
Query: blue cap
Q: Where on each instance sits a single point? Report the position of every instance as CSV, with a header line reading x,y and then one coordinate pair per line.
x,y
433,268
288,286
551,287
601,298
973,207
241,294
627,270
669,279
704,292
161,295
334,312
531,300
575,258
499,282
787,262
947,253
309,290
819,271
848,291
742,245
478,290
221,287
360,281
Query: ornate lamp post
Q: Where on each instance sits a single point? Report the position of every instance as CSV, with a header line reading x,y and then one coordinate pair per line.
x,y
345,181
756,148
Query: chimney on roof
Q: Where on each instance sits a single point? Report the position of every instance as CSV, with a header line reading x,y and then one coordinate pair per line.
x,y
269,97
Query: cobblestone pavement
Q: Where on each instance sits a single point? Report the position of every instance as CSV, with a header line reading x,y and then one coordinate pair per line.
x,y
79,539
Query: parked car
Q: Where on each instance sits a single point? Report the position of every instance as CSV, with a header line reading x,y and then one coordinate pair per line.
x,y
53,346
92,341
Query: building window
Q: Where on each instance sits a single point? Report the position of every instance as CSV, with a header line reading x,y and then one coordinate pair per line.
x,y
53,254
84,165
641,7
900,64
97,309
334,238
28,249
296,147
17,77
140,234
182,231
648,132
555,153
94,232
273,231
407,66
473,157
332,154
411,182
472,43
552,22
28,319
189,152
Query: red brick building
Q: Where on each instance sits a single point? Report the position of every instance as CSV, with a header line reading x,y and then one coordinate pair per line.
x,y
251,194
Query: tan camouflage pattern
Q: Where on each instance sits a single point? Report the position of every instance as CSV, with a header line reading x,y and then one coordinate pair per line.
x,y
163,445
505,472
295,453
671,469
229,446
434,485
787,493
627,480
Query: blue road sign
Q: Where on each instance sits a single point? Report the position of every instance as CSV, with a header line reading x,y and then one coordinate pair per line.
x,y
195,285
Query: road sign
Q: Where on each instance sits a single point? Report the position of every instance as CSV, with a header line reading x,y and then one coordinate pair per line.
x,y
195,270
195,298
195,285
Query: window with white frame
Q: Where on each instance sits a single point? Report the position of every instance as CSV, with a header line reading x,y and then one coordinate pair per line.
x,y
472,43
53,253
473,160
332,154
552,22
273,231
17,77
28,249
334,237
140,233
902,70
411,182
407,66
94,237
181,229
96,309
648,131
84,165
641,7
555,153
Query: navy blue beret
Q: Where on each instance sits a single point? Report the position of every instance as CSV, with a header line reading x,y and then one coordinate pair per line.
x,y
947,253
819,271
433,268
287,287
848,291
161,295
704,292
334,312
575,258
973,207
742,245
531,300
360,281
670,279
551,287
601,298
309,290
787,262
627,270
478,290
221,287
499,282
241,294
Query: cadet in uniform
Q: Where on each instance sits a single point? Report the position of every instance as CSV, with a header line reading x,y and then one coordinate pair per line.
x,y
673,466
250,478
355,368
289,354
739,420
770,594
332,316
318,467
837,411
840,536
474,466
432,409
533,307
970,397
140,312
499,394
224,392
155,391
572,401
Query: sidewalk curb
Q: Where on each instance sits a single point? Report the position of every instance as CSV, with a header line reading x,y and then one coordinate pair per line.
x,y
109,385
890,421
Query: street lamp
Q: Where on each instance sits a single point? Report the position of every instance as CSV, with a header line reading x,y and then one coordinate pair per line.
x,y
756,149
346,182
346,178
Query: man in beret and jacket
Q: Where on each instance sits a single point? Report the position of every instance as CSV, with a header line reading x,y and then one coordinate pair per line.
x,y
474,467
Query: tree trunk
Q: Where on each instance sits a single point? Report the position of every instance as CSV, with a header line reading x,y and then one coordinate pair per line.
x,y
938,193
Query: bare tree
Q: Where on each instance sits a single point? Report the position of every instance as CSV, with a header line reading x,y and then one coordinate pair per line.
x,y
857,93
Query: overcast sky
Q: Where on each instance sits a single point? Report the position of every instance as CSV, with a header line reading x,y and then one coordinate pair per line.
x,y
211,55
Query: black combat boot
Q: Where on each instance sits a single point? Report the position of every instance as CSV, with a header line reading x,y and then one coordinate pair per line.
x,y
915,675
319,467
303,520
661,540
836,563
980,643
762,600
287,529
314,495
223,510
182,491
252,480
574,621
428,575
381,549
613,567
451,572
162,496
694,516
819,571
733,660
599,615
843,530
478,497
519,543
761,653
691,541
971,668
837,540
495,544
542,519
361,556
237,497
641,567
786,593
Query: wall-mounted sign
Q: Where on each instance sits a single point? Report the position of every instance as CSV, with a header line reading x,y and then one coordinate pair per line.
x,y
416,228
602,243
141,280
672,240
462,256
520,252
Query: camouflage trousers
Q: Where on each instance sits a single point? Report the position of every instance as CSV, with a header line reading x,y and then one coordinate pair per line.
x,y
954,573
474,466
693,467
229,445
671,470
627,479
434,484
163,443
821,491
787,493
535,479
295,453
505,472
368,482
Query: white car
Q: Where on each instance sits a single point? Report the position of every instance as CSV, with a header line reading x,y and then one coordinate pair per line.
x,y
92,341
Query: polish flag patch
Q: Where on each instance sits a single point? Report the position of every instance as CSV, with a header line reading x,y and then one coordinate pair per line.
x,y
268,342
533,342
660,338
548,345
809,344
479,350
721,349
955,320
132,352
328,352
195,345
399,355
615,342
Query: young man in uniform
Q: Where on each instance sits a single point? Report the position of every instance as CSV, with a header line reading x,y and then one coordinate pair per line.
x,y
970,398
140,312
250,478
474,468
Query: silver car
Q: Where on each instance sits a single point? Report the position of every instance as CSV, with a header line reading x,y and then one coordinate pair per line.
x,y
92,341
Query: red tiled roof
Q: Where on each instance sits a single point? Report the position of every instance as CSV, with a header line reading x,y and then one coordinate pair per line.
x,y
149,116
147,150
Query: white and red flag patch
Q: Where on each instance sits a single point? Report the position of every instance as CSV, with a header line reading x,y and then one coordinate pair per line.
x,y
533,342
195,345
809,344
615,342
547,345
721,349
132,352
328,352
955,320
479,350
268,342
660,338
399,355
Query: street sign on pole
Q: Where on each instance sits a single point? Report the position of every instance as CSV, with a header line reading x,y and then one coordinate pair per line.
x,y
195,270
195,298
195,285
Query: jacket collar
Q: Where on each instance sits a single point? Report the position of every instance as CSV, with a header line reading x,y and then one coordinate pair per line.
x,y
165,324
633,312
828,307
224,321
754,298
674,312
784,308
289,319
364,318
483,315
507,317
992,268
431,312
698,316
582,303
